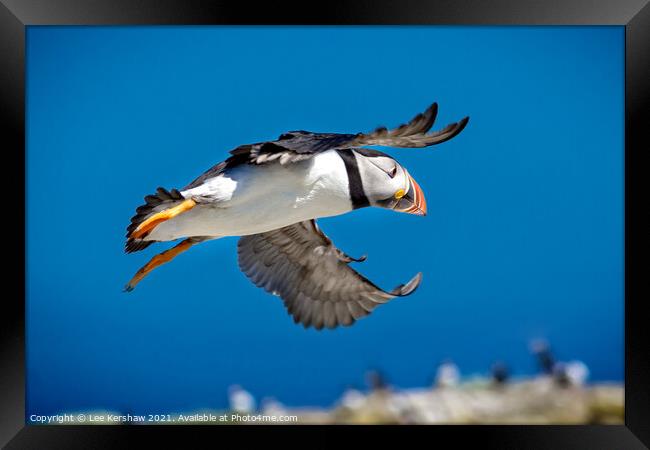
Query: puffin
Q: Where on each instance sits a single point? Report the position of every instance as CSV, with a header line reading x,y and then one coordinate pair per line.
x,y
270,194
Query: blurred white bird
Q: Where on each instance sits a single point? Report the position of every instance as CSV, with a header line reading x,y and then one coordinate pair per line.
x,y
240,400
352,399
577,372
447,375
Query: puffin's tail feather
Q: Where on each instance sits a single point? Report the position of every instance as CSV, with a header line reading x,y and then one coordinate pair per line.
x,y
155,203
135,245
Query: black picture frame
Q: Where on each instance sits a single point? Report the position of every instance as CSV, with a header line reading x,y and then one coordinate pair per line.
x,y
15,15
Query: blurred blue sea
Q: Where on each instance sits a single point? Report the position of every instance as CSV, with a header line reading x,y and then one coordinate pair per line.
x,y
524,236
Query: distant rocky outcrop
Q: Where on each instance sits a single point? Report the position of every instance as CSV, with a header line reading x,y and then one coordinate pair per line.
x,y
537,401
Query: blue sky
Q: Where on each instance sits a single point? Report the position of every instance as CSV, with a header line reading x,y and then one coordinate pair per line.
x,y
523,239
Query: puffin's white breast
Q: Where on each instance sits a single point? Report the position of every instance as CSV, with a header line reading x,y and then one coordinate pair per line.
x,y
250,199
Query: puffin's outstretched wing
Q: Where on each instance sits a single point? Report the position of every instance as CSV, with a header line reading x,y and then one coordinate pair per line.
x,y
302,266
295,146
298,145
412,134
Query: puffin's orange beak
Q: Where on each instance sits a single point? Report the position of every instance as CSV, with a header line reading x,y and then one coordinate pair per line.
x,y
413,202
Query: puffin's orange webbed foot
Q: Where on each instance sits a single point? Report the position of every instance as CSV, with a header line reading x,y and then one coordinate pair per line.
x,y
158,260
152,222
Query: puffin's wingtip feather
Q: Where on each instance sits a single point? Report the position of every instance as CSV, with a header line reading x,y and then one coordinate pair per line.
x,y
407,289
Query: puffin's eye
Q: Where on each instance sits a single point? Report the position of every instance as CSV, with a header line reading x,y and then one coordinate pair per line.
x,y
392,172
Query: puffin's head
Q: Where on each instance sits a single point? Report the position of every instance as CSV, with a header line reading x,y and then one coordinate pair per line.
x,y
388,185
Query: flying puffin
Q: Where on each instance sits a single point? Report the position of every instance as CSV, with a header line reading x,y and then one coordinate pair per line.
x,y
270,194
